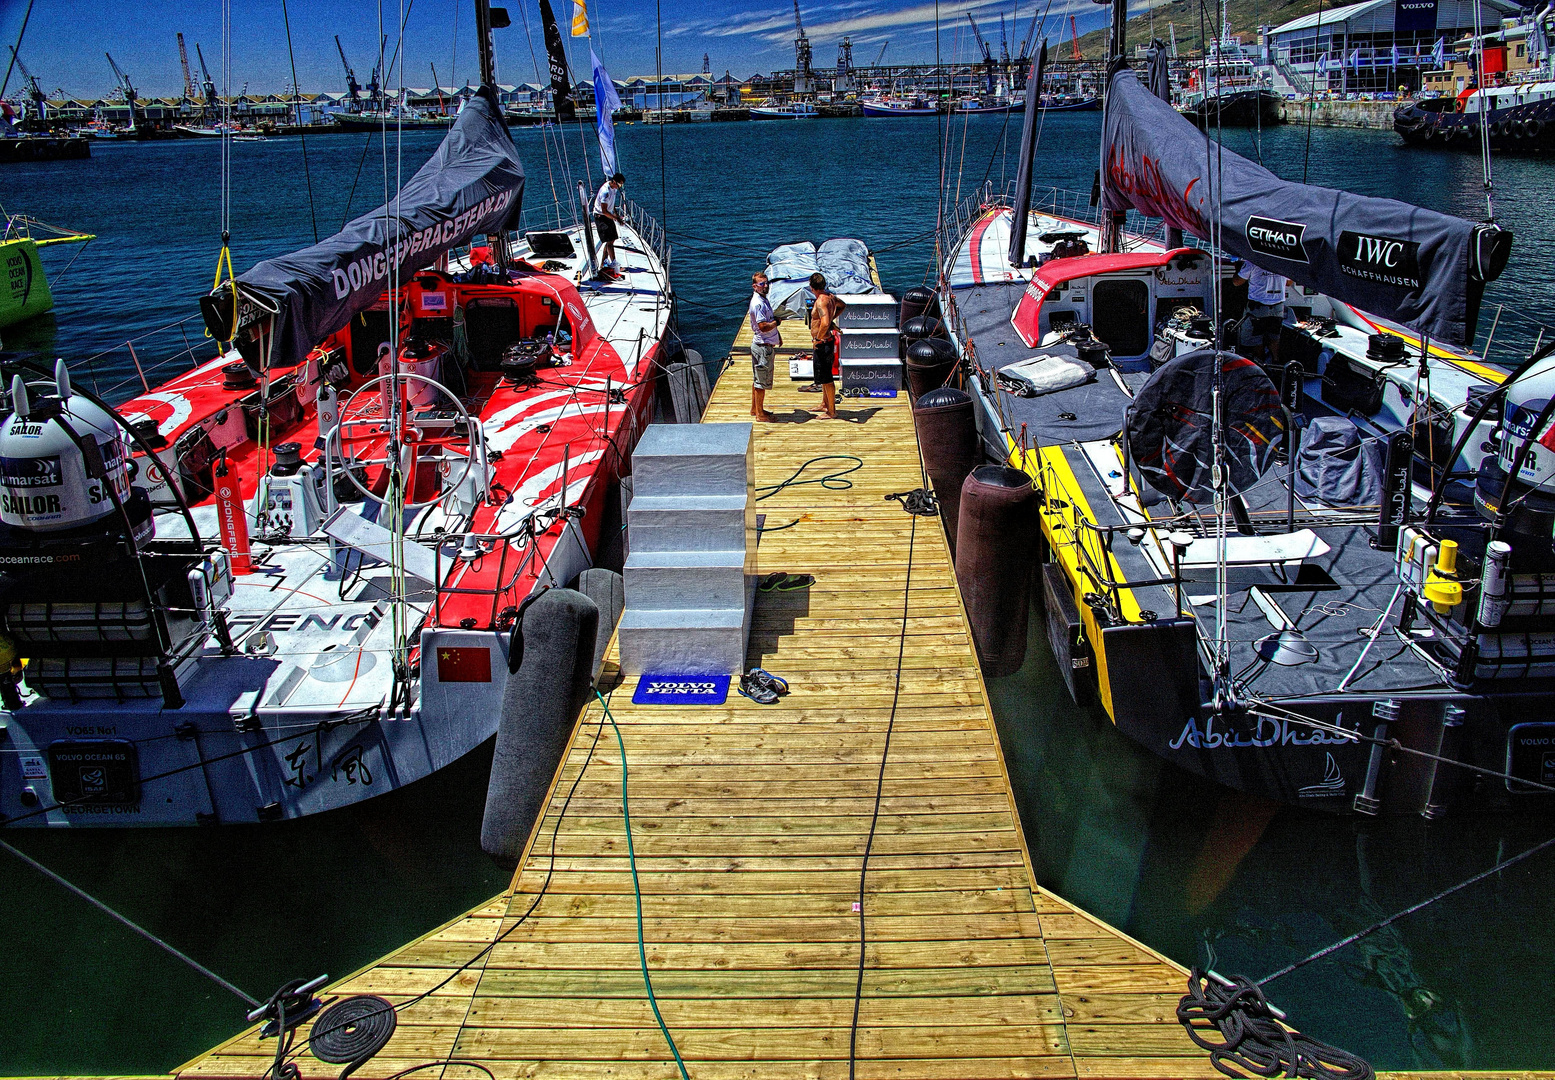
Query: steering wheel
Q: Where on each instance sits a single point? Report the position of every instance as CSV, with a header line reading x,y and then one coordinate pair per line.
x,y
370,424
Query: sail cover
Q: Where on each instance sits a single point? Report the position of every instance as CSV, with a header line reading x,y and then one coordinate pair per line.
x,y
473,184
1421,268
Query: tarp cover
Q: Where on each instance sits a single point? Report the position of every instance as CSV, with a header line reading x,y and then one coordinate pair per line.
x,y
1335,465
1170,427
1423,268
844,262
473,184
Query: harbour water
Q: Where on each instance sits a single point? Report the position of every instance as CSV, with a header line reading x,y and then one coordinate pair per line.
x,y
1190,869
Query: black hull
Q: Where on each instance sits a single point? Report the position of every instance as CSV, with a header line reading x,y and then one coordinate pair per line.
x,y
1522,129
1244,108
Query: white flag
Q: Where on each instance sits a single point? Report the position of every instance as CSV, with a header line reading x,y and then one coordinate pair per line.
x,y
606,101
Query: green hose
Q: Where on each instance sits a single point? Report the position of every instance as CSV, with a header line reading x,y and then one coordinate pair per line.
x,y
637,891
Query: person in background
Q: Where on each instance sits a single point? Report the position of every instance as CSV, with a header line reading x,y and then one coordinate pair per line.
x,y
607,212
823,332
764,342
1265,307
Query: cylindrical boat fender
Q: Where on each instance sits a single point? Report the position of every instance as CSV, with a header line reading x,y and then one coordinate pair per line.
x,y
930,363
924,326
947,432
551,671
919,300
996,545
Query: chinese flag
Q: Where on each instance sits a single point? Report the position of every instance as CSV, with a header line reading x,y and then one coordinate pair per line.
x,y
463,665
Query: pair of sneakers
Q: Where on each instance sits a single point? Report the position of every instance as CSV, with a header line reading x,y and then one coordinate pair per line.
x,y
762,687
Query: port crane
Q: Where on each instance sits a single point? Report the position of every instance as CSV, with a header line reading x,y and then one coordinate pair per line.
x,y
353,88
989,65
183,62
35,93
374,82
1074,41
1022,63
126,88
804,82
207,84
883,48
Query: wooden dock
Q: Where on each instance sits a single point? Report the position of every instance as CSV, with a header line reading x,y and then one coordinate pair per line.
x,y
750,825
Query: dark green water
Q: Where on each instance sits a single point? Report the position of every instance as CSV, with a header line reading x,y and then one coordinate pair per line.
x,y
1186,867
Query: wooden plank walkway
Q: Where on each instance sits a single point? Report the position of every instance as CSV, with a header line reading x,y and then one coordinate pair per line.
x,y
750,825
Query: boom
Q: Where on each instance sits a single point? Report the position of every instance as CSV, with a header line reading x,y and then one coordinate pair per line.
x,y
207,84
353,88
183,62
126,87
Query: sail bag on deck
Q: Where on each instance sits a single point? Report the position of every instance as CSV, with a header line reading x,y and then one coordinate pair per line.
x,y
1424,269
473,184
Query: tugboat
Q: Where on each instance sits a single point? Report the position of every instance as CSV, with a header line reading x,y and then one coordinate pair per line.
x,y
287,580
1310,579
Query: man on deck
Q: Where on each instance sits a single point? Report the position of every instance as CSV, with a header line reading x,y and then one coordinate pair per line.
x,y
823,332
607,212
764,342
1265,307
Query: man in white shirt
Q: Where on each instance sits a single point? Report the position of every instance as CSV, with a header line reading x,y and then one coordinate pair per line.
x,y
1265,307
607,211
764,342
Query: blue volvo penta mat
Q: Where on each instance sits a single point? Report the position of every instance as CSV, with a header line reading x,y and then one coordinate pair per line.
x,y
655,688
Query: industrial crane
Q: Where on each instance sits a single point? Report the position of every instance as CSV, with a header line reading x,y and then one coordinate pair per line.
x,y
1074,41
1022,62
989,66
207,84
1004,43
34,91
882,52
353,88
127,89
374,86
183,62
803,82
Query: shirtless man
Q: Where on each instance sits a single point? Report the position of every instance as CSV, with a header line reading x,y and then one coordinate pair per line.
x,y
823,333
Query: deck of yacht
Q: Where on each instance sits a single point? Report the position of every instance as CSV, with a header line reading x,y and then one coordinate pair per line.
x,y
750,826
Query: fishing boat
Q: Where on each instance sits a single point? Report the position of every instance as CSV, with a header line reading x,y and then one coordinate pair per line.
x,y
1518,118
1071,103
1227,90
888,106
1311,579
791,110
990,105
25,293
289,579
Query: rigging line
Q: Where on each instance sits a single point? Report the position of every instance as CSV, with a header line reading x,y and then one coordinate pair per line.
x,y
131,924
1306,159
1410,910
535,60
16,49
297,98
366,145
1394,744
664,213
1484,112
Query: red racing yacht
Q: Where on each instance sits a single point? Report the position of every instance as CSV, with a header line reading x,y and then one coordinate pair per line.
x,y
287,580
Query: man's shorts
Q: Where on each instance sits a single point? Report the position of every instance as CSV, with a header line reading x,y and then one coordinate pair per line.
x,y
1266,318
825,357
606,228
761,364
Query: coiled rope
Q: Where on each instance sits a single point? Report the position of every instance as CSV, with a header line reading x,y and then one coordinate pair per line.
x,y
832,481
1252,1038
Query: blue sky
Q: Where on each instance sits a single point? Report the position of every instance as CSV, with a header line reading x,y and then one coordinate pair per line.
x,y
66,39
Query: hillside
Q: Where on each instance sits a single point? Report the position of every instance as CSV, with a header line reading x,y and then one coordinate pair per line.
x,y
1244,17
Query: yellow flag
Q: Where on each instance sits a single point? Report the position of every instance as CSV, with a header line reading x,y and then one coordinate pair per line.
x,y
580,18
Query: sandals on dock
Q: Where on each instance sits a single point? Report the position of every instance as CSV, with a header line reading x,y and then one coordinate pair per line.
x,y
781,582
